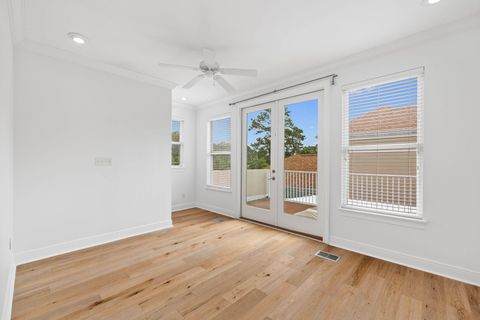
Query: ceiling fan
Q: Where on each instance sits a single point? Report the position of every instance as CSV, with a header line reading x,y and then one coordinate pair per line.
x,y
210,68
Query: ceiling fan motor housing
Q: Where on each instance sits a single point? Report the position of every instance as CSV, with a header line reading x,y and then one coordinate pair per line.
x,y
209,69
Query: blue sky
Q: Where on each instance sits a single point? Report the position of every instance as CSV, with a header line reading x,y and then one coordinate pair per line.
x,y
394,94
221,130
305,116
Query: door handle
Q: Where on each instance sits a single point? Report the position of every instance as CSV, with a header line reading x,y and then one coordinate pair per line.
x,y
272,178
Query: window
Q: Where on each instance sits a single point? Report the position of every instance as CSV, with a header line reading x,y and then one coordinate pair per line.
x,y
177,143
382,145
219,153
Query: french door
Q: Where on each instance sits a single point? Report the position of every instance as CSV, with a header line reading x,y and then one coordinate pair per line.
x,y
282,148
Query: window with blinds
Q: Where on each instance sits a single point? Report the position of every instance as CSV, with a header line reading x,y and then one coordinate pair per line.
x,y
219,153
382,145
177,143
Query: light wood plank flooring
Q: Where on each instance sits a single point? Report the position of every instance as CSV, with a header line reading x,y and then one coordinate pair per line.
x,y
202,269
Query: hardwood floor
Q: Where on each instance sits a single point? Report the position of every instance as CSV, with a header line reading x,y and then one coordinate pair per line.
x,y
202,269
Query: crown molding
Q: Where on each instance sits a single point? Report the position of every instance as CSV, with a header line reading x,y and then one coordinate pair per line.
x,y
72,57
438,32
16,12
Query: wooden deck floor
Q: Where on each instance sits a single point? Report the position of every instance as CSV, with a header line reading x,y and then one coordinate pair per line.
x,y
202,269
288,206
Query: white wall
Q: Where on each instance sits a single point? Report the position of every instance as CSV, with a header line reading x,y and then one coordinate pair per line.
x,y
6,153
449,242
221,201
183,178
65,115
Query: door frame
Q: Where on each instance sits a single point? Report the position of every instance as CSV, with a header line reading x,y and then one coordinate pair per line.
x,y
259,214
322,85
288,221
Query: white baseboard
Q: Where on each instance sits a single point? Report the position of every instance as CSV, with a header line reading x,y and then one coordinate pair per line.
x,y
222,211
8,302
65,247
183,206
427,265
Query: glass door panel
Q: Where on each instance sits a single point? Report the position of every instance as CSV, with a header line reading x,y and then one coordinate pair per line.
x,y
258,173
300,158
259,137
283,148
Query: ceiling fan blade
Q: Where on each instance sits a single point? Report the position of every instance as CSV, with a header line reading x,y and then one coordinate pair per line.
x,y
239,72
209,56
194,81
178,66
224,84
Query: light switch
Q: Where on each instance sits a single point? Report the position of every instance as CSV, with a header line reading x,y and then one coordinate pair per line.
x,y
102,161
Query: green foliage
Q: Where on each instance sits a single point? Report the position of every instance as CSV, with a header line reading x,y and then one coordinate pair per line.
x,y
258,153
309,150
175,154
256,160
221,162
176,136
294,136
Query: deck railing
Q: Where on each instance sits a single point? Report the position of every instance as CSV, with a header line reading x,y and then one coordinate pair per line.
x,y
383,191
300,186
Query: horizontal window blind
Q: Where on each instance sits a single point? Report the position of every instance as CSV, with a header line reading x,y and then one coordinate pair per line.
x,y
219,169
177,143
382,145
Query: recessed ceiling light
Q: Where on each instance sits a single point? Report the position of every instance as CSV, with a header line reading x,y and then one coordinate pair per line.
x,y
432,1
77,38
184,99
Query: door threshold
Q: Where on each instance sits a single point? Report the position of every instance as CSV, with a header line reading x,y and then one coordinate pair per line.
x,y
298,233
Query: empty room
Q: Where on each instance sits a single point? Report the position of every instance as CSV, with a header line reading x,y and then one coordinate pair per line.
x,y
227,159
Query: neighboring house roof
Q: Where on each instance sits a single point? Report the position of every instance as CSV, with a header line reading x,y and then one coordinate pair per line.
x,y
301,162
385,121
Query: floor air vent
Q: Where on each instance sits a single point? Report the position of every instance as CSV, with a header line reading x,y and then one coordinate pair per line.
x,y
328,256
218,220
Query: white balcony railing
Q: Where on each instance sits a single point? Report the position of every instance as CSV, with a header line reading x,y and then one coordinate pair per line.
x,y
300,186
383,191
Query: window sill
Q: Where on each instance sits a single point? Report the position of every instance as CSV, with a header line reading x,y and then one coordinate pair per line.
x,y
216,188
178,167
353,212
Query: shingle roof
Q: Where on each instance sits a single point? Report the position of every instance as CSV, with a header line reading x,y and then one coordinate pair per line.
x,y
301,162
386,121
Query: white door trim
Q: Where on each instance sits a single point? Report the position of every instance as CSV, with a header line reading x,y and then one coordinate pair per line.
x,y
292,222
324,86
251,212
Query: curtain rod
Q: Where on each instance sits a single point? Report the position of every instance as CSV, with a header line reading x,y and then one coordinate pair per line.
x,y
332,76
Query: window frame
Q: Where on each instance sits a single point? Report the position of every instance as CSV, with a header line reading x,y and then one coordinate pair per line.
x,y
417,146
210,154
179,142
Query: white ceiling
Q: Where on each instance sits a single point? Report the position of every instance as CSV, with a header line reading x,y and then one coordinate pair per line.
x,y
277,37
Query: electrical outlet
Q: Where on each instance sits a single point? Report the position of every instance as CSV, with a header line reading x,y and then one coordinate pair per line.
x,y
102,161
183,195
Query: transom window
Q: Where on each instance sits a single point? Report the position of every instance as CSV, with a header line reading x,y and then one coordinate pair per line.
x,y
219,153
382,145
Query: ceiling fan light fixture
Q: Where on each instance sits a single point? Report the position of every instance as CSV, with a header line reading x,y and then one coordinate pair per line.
x,y
77,37
210,68
431,2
